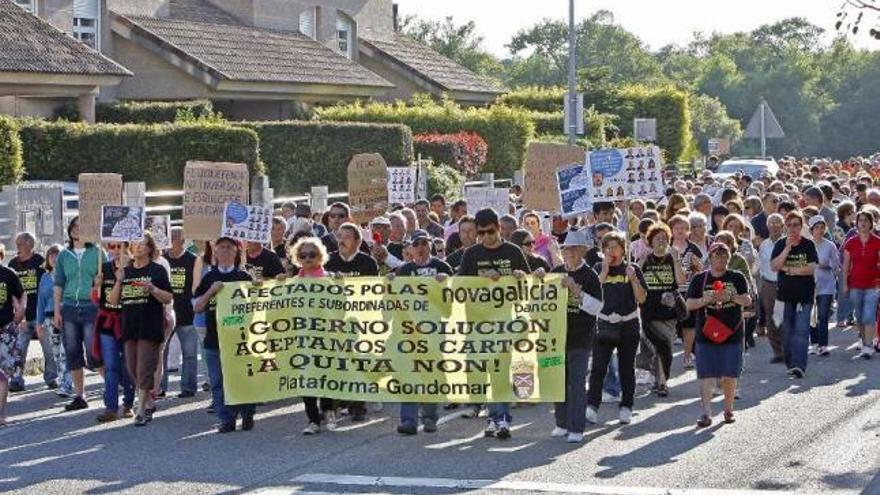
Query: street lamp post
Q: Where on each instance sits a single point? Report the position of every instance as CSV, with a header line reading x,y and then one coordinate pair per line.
x,y
572,85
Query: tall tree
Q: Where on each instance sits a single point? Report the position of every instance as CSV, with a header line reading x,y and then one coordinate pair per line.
x,y
460,42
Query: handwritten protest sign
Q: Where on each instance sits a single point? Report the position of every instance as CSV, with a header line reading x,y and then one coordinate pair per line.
x,y
159,226
496,198
411,339
207,187
401,185
542,160
367,187
247,222
95,191
122,223
626,173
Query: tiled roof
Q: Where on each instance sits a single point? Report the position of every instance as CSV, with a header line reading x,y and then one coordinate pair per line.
x,y
198,11
29,44
433,66
243,53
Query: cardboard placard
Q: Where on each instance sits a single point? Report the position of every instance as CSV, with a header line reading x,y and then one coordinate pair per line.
x,y
207,187
542,160
160,227
626,173
122,223
401,185
574,189
478,198
247,222
95,191
367,187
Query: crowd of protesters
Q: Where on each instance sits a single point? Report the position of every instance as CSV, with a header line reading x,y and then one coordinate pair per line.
x,y
713,266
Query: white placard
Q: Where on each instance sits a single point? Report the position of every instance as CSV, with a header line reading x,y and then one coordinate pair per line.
x,y
478,198
122,223
401,185
626,173
574,189
246,222
160,227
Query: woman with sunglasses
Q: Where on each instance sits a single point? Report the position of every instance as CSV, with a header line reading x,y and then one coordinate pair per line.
x,y
108,339
523,239
543,245
308,256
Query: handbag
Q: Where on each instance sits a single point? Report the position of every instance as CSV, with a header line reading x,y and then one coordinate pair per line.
x,y
715,330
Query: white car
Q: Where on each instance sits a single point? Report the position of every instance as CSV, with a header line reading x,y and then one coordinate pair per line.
x,y
755,168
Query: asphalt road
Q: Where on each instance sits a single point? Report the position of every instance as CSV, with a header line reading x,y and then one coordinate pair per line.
x,y
816,435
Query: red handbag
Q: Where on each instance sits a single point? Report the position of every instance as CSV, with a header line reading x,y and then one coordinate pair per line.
x,y
713,328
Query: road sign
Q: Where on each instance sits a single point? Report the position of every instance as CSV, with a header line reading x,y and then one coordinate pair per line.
x,y
764,126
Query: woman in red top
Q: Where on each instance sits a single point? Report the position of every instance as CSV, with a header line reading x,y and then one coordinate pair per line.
x,y
861,272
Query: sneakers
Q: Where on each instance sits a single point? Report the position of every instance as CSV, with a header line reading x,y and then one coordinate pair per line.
x,y
867,352
813,350
52,385
226,428
429,425
609,398
503,431
823,351
76,404
625,415
247,423
407,429
107,417
558,432
470,412
574,438
796,372
140,420
313,429
16,387
490,430
592,416
330,419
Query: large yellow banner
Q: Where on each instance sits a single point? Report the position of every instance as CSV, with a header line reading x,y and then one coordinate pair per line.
x,y
411,339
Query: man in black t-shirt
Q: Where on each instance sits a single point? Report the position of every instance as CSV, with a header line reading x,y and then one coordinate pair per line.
x,y
12,308
261,263
28,265
494,257
225,252
467,234
182,263
794,258
423,265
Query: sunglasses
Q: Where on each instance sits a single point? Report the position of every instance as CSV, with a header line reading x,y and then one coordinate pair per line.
x,y
114,246
528,243
486,231
309,255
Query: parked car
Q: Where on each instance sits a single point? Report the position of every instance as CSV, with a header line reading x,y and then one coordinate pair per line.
x,y
756,168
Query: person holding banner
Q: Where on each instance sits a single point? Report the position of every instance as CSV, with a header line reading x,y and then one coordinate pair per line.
x,y
227,254
623,289
467,235
308,255
493,258
524,240
183,265
584,303
142,289
77,267
422,265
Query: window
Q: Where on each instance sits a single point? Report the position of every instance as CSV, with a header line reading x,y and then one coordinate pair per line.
x,y
308,21
344,36
29,5
85,22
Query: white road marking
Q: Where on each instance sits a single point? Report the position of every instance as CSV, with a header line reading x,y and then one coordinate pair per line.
x,y
43,460
502,485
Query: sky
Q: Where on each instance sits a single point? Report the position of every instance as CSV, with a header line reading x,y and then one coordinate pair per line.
x,y
656,22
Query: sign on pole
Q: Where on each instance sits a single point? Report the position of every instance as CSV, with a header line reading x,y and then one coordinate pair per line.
x,y
207,187
542,159
40,208
95,191
645,130
574,189
247,222
626,173
367,187
401,185
122,223
764,126
478,198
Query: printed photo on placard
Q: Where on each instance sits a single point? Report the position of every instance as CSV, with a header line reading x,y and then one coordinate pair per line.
x,y
160,227
574,189
626,173
122,223
247,222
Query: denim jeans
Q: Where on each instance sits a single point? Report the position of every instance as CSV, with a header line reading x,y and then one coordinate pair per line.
x,y
50,371
115,374
844,303
499,411
795,331
611,385
225,413
819,333
79,330
571,414
409,412
864,304
189,347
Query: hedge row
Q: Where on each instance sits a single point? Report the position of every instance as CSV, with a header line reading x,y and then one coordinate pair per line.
x,y
506,130
535,98
300,154
667,104
150,112
465,151
11,168
155,154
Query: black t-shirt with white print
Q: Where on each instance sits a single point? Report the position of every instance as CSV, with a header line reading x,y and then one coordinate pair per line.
x,y
505,259
430,269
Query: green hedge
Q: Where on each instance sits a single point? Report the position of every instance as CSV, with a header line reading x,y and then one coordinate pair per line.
x,y
11,168
150,112
155,154
506,130
535,99
300,154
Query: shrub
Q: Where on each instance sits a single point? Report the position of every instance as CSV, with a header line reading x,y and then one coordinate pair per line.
x,y
155,154
596,125
150,112
11,169
300,154
445,180
506,130
465,151
535,99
